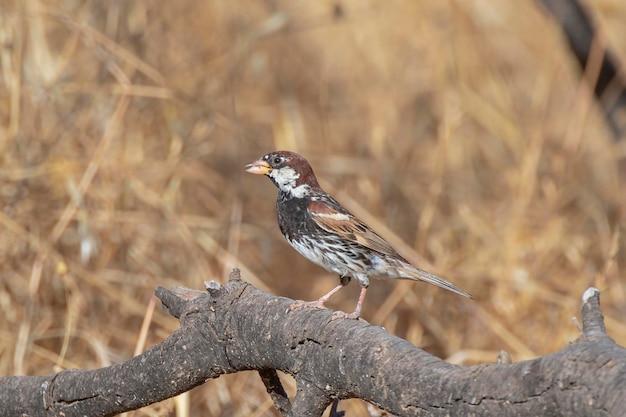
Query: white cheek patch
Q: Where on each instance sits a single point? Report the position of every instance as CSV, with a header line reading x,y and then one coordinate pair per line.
x,y
285,178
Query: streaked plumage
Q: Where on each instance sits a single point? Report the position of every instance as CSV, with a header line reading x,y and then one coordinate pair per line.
x,y
324,232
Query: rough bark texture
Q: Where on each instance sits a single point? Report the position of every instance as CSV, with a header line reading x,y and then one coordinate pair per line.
x,y
237,327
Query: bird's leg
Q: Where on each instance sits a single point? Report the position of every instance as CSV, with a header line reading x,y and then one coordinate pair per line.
x,y
356,315
320,303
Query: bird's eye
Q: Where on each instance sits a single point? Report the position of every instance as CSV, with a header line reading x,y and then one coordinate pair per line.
x,y
277,160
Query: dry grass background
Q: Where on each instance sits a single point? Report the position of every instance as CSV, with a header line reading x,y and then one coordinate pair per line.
x,y
460,130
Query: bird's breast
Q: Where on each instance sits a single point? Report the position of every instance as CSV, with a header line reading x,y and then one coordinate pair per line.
x,y
293,218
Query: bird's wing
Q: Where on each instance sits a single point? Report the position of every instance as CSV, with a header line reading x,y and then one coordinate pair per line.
x,y
332,217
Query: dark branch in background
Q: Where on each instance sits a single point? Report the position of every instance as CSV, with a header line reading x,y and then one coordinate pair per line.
x,y
236,327
275,390
610,87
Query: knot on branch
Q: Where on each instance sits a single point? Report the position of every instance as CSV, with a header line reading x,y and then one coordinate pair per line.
x,y
178,300
235,275
213,287
593,320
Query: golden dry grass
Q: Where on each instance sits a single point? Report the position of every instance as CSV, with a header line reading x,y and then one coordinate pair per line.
x,y
460,130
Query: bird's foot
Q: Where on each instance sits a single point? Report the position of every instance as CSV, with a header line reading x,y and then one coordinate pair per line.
x,y
307,304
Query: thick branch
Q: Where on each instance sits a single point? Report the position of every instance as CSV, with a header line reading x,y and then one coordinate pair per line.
x,y
237,327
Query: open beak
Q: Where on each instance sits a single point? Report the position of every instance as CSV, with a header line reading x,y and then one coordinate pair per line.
x,y
259,167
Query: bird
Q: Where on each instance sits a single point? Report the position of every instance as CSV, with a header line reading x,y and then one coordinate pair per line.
x,y
323,231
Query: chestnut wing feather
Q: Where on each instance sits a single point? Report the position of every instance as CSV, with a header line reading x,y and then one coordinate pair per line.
x,y
330,216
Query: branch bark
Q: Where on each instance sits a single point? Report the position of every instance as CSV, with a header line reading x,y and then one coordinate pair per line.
x,y
236,327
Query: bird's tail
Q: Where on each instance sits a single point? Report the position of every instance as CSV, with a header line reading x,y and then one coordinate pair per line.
x,y
411,272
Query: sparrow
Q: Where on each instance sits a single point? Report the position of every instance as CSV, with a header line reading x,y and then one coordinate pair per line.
x,y
327,234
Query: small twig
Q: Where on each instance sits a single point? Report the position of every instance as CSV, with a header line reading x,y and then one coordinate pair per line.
x,y
276,391
171,302
504,358
310,400
593,320
333,410
578,326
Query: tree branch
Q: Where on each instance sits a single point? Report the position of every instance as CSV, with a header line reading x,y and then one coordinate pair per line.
x,y
236,327
275,390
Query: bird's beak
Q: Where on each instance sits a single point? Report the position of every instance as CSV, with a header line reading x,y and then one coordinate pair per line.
x,y
259,167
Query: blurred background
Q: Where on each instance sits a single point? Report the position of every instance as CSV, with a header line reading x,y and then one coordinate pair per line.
x,y
460,130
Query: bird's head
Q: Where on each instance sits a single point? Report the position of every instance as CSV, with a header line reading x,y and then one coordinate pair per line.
x,y
290,172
